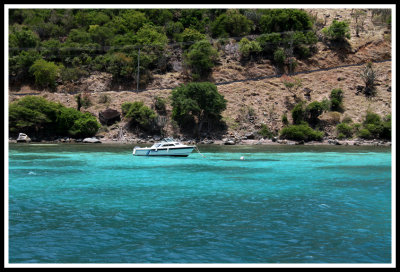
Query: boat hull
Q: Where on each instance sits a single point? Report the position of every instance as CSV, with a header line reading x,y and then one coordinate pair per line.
x,y
178,152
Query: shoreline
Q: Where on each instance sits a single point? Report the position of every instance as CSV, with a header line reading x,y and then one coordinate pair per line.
x,y
326,142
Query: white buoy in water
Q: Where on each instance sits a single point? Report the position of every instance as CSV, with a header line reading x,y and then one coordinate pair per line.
x,y
242,158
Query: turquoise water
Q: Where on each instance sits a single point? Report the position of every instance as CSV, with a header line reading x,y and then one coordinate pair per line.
x,y
76,203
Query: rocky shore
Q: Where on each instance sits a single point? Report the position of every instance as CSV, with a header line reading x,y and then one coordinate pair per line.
x,y
224,141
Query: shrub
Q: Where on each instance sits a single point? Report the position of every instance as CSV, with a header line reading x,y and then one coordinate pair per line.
x,y
41,117
375,127
347,120
279,56
104,99
231,23
249,48
298,113
160,105
313,110
337,31
66,118
372,118
282,20
291,83
341,136
120,65
301,132
237,24
197,103
72,74
369,75
285,120
336,100
190,36
302,51
345,130
46,73
386,132
19,64
364,133
269,42
139,114
22,38
85,126
265,131
201,58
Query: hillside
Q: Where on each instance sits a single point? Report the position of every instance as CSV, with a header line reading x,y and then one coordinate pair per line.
x,y
254,94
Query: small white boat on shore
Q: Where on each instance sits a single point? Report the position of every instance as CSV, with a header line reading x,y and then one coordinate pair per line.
x,y
167,147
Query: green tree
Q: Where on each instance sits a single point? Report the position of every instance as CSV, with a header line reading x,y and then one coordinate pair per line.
x,y
302,132
345,129
50,49
269,43
46,73
313,110
22,38
193,18
282,20
139,114
197,103
280,56
19,64
101,34
336,97
85,126
249,48
36,115
189,36
65,120
298,113
132,20
231,23
237,24
23,119
337,31
201,58
265,131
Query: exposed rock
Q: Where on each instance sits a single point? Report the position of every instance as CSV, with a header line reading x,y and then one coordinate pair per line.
x,y
91,140
109,117
229,141
250,135
334,142
97,82
23,138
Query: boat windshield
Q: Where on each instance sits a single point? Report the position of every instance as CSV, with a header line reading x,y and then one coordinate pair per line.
x,y
168,140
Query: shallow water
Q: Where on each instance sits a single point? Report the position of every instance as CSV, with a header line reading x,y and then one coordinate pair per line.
x,y
77,203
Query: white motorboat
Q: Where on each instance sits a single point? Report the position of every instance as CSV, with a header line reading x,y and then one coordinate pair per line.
x,y
167,147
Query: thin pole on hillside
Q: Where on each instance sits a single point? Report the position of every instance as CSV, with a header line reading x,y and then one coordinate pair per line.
x,y
137,83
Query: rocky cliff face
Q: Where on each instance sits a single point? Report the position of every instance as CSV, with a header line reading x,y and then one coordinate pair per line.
x,y
255,94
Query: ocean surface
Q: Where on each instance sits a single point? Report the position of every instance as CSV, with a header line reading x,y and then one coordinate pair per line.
x,y
88,203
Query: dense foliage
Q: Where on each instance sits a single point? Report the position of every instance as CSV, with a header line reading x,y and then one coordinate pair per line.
x,y
201,58
373,127
337,31
302,132
336,101
139,114
197,103
39,117
76,42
